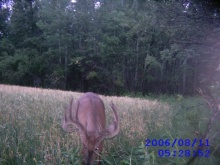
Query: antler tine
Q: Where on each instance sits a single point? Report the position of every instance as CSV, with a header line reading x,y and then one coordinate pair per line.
x,y
114,127
115,116
70,110
68,119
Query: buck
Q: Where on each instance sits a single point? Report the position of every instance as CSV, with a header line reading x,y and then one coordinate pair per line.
x,y
88,116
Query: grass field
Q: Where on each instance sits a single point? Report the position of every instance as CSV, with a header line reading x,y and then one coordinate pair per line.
x,y
31,133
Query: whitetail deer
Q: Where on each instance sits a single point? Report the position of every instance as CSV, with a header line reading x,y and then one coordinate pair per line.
x,y
88,115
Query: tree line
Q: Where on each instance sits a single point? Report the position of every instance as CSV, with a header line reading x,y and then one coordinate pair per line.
x,y
111,46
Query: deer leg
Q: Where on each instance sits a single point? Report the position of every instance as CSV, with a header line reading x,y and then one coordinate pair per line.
x,y
100,152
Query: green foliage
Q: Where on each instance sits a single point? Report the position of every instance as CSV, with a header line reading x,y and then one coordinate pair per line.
x,y
6,47
92,75
138,47
21,67
139,155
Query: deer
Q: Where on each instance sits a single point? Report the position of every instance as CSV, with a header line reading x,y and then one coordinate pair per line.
x,y
88,116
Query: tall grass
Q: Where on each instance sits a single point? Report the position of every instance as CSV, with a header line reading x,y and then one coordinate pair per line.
x,y
31,133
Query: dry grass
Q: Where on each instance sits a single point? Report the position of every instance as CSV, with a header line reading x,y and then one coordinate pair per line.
x,y
30,124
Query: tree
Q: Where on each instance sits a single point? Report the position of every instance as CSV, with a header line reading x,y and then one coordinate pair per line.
x,y
56,22
111,47
21,50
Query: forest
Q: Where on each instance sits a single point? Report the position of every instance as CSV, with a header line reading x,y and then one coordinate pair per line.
x,y
112,47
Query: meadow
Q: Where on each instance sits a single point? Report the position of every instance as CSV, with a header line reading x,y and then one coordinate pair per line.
x,y
31,133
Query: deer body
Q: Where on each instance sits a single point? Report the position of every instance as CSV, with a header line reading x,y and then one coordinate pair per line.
x,y
88,115
91,108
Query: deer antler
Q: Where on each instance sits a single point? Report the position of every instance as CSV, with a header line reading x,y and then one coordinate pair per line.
x,y
114,127
69,120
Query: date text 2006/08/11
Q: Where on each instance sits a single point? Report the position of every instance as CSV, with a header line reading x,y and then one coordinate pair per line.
x,y
180,143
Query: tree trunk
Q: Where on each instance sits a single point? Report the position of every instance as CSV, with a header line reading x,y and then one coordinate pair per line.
x,y
65,67
136,67
59,47
184,76
144,70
